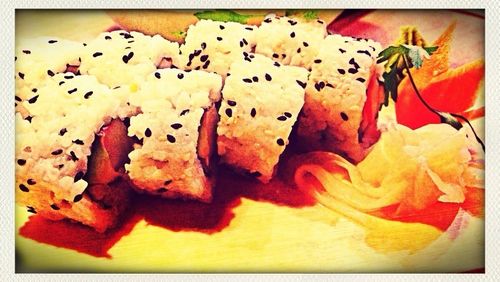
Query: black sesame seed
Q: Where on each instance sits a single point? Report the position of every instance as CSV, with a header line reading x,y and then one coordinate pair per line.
x,y
247,80
219,38
184,112
30,209
54,207
197,52
231,103
33,99
277,64
305,44
71,91
287,114
276,56
68,76
341,71
79,176
360,79
29,118
268,77
88,94
344,116
77,198
61,166
317,61
292,22
27,52
57,152
197,68
205,65
329,85
255,79
51,73
23,188
229,112
283,56
364,52
170,138
127,58
107,37
61,83
180,75
157,75
167,182
15,58
268,20
73,156
203,45
221,27
63,131
21,75
299,50
242,44
247,59
253,112
244,41
147,132
130,41
52,41
176,125
352,70
353,62
203,58
96,54
84,44
280,142
19,99
31,181
342,50
292,35
317,86
248,28
302,84
281,118
78,142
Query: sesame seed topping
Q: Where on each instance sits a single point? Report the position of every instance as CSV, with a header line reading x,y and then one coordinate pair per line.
x,y
280,142
268,20
79,176
241,44
231,103
268,77
353,62
29,118
27,52
305,44
229,112
184,112
57,152
21,75
167,182
203,45
170,138
107,37
317,61
283,55
255,79
341,71
352,70
244,41
281,118
73,156
54,207
342,50
248,28
364,52
344,116
276,64
180,75
276,56
61,83
157,75
360,79
127,58
60,166
68,76
147,132
23,188
253,112
31,181
292,35
197,68
51,73
292,22
63,131
96,54
77,198
219,38
203,58
287,114
299,50
30,209
221,27
317,86
71,91
52,41
88,94
18,99
33,99
302,84
197,52
247,80
205,65
176,125
78,142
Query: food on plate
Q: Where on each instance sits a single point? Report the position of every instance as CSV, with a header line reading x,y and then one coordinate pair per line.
x,y
290,41
167,161
213,46
342,97
261,103
53,145
121,58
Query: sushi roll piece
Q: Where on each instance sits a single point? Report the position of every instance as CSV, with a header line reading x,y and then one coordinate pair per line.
x,y
342,97
176,129
121,58
38,59
294,42
52,150
261,102
212,46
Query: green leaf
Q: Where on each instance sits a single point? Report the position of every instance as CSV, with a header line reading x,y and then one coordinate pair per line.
x,y
391,51
311,14
431,49
222,16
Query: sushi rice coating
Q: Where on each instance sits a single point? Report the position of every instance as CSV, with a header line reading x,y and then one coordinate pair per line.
x,y
53,146
261,102
336,93
294,42
39,58
212,46
120,58
172,103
